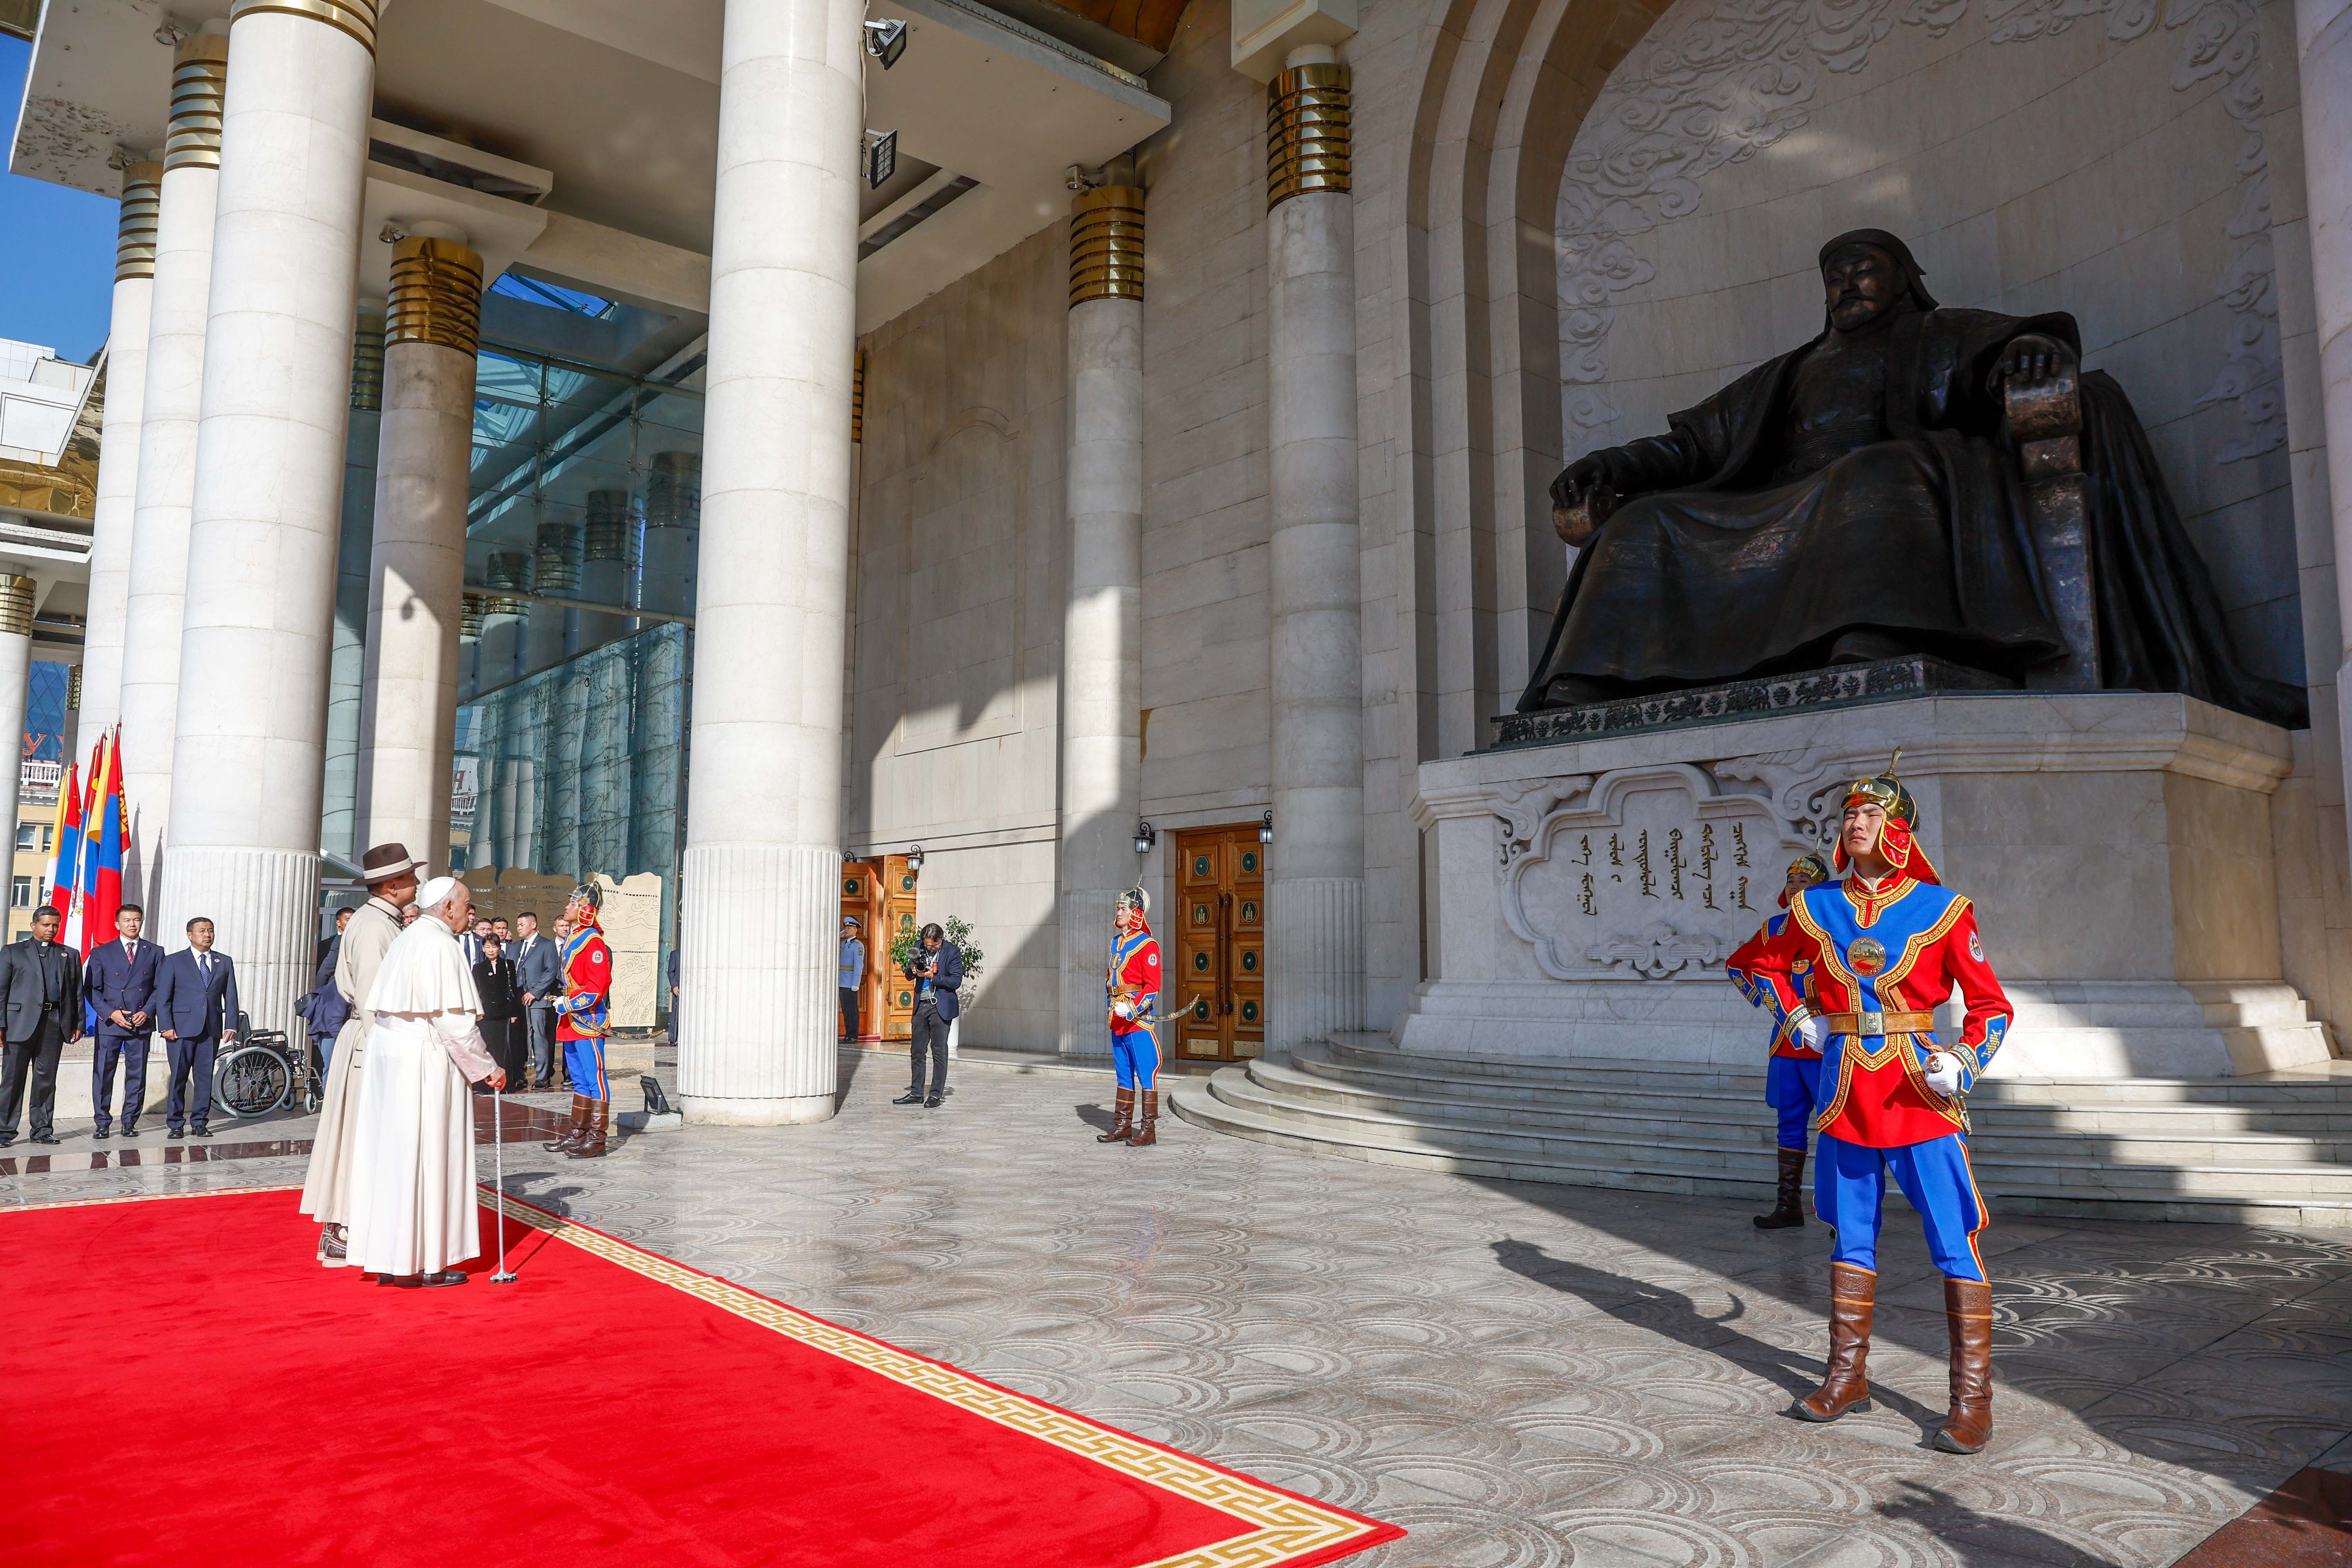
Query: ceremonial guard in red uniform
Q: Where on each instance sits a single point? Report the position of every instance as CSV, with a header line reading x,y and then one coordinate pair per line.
x,y
1880,950
582,1017
1131,994
1793,1083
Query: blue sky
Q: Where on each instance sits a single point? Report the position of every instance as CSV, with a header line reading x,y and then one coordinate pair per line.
x,y
57,286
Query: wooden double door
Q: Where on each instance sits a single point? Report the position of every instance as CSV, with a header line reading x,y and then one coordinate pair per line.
x,y
1217,984
881,893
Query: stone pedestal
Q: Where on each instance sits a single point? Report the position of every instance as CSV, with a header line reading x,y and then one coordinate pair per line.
x,y
2117,847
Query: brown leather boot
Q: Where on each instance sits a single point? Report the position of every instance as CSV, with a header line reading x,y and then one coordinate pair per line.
x,y
573,1128
1853,1293
1124,1110
1789,1205
1145,1130
1968,1309
592,1127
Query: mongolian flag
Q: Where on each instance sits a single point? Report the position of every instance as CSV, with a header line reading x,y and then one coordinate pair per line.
x,y
65,845
102,836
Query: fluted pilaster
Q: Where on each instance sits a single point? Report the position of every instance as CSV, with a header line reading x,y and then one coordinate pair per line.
x,y
264,906
1314,956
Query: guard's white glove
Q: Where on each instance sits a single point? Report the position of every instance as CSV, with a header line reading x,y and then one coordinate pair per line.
x,y
1812,1033
1944,1073
1122,1009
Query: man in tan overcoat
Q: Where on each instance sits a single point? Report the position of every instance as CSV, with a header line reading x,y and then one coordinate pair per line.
x,y
391,877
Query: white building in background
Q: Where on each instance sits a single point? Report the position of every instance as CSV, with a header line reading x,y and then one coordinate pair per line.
x,y
41,399
589,423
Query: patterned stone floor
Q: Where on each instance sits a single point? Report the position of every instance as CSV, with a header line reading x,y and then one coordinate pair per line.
x,y
1521,1375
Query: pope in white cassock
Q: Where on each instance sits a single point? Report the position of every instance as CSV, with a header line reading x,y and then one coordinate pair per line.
x,y
412,1206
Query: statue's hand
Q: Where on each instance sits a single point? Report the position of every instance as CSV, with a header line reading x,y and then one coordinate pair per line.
x,y
1579,479
2034,361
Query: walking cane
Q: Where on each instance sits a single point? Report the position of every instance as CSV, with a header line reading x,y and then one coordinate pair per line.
x,y
505,1276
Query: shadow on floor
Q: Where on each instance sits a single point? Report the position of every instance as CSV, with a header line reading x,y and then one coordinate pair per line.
x,y
1980,1540
1674,1315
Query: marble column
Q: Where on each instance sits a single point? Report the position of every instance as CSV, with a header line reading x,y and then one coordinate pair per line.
x,y
1102,624
339,823
175,389
158,578
2324,44
763,820
1315,892
604,533
118,449
247,765
17,598
417,566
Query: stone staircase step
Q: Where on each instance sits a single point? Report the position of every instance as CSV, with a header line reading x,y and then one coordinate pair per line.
x,y
2267,1152
1749,1124
1634,1171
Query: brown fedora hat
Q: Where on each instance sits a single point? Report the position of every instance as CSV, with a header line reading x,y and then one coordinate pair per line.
x,y
384,862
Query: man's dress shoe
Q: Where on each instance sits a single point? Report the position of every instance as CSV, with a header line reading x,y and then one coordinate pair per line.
x,y
175,1132
912,1096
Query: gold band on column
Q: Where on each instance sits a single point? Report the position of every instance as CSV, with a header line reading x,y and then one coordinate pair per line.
x,y
356,17
557,567
1307,116
1107,244
73,687
436,295
134,238
367,365
604,533
199,86
857,398
16,604
469,618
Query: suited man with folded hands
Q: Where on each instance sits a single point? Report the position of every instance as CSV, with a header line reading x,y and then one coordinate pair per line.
x,y
195,1003
118,980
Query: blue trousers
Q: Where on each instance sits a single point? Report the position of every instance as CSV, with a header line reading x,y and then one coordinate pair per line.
x,y
192,1070
1849,1184
1135,1056
1792,1085
131,1051
584,1062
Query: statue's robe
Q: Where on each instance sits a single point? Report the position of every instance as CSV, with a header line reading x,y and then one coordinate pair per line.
x,y
1776,516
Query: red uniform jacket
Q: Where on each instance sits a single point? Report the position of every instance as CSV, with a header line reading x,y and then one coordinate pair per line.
x,y
1901,947
584,1010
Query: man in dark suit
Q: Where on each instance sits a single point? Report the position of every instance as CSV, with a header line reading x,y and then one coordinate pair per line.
x,y
494,977
539,970
118,979
40,999
195,1004
470,942
936,967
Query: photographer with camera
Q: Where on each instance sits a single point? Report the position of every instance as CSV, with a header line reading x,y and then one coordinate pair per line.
x,y
937,968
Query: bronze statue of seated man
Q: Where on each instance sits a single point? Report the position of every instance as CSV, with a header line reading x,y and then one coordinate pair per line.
x,y
1854,499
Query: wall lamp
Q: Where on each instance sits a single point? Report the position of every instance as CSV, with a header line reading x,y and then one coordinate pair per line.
x,y
915,859
1266,829
887,40
881,157
1146,836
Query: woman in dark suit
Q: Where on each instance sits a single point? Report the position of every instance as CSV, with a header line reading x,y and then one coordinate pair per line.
x,y
494,977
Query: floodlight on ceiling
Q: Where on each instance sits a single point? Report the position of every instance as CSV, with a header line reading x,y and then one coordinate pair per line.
x,y
881,157
887,40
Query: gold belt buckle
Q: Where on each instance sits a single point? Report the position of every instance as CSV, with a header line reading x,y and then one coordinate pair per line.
x,y
1874,1023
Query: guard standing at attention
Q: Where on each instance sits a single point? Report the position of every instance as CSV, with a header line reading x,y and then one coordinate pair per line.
x,y
1791,1084
1131,992
583,1015
1885,947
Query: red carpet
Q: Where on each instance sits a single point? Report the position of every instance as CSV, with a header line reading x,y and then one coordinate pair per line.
x,y
182,1384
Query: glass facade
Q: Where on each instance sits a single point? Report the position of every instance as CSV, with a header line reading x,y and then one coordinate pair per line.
x,y
583,522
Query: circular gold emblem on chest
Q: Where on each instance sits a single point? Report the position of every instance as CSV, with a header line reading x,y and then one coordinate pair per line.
x,y
1867,957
